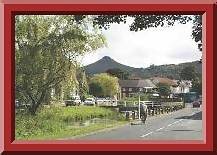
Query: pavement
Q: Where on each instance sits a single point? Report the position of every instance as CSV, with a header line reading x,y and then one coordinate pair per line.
x,y
185,124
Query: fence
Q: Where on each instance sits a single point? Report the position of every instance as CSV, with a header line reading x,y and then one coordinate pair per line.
x,y
153,108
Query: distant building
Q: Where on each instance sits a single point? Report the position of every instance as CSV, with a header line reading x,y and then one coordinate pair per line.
x,y
170,82
176,86
131,87
182,87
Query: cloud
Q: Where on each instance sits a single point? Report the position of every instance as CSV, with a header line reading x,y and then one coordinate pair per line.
x,y
162,45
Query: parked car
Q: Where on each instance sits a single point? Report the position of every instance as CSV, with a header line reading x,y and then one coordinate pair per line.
x,y
107,102
196,104
73,102
20,105
89,101
114,102
200,100
17,104
100,101
77,100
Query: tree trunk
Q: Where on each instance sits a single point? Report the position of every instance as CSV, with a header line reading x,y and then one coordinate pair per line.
x,y
35,104
47,98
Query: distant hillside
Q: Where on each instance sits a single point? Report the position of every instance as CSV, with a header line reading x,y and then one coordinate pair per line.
x,y
171,71
104,64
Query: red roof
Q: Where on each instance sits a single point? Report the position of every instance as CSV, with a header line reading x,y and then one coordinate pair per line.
x,y
168,81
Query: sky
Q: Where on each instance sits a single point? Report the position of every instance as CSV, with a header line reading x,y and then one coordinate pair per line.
x,y
158,46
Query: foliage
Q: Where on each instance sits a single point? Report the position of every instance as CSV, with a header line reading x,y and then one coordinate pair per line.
x,y
46,48
197,85
163,89
83,85
168,100
95,88
59,122
123,75
104,85
135,99
188,73
197,30
143,97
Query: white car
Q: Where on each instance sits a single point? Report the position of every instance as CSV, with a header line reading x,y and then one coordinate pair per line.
x,y
100,101
74,101
114,102
89,101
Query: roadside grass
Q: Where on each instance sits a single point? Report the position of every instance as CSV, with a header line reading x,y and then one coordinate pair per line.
x,y
65,122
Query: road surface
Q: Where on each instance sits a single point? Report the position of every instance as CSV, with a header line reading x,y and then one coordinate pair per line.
x,y
185,124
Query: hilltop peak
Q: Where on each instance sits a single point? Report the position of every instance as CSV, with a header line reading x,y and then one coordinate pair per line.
x,y
105,63
107,58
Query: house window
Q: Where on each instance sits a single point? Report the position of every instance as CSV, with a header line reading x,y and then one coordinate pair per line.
x,y
130,89
140,89
123,89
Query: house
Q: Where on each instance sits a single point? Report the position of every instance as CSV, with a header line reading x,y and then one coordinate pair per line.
x,y
182,87
131,87
176,86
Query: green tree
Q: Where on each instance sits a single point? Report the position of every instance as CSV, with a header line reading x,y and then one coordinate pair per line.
x,y
46,51
188,73
163,89
95,89
197,85
83,86
104,85
118,73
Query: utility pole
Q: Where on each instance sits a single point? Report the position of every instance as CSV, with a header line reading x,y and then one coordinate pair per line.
x,y
139,108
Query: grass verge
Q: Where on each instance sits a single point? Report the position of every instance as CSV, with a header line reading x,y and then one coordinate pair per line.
x,y
64,122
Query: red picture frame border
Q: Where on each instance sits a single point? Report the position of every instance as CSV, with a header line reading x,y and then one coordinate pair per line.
x,y
11,9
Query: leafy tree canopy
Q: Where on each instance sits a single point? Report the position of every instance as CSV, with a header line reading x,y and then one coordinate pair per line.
x,y
197,86
46,51
118,73
83,86
163,89
188,73
104,85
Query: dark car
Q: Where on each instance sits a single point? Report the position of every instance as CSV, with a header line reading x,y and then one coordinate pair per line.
x,y
200,100
196,104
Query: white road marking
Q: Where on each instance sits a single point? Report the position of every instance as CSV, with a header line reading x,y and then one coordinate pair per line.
x,y
175,122
146,134
160,129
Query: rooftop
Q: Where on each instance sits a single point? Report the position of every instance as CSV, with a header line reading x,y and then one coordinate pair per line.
x,y
168,81
136,83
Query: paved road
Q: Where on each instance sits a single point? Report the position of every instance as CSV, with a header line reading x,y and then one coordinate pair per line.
x,y
185,124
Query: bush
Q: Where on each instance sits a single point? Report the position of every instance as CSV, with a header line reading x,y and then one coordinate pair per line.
x,y
166,99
